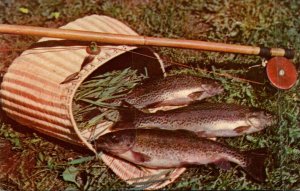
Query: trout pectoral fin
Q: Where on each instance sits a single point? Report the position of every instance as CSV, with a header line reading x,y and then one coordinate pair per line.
x,y
169,104
155,104
212,138
241,129
196,95
140,157
201,133
204,134
223,164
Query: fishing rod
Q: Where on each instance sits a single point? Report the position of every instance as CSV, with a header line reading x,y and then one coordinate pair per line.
x,y
280,71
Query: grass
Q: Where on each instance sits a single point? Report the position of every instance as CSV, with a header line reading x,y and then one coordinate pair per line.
x,y
96,92
253,22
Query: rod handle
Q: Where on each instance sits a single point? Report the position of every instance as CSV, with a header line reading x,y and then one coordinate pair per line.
x,y
272,52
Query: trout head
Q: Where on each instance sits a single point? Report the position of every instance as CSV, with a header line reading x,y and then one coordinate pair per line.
x,y
116,142
260,119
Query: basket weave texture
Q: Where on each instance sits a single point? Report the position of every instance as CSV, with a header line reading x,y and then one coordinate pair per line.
x,y
32,92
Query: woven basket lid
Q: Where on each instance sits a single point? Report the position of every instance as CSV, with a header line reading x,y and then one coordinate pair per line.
x,y
33,94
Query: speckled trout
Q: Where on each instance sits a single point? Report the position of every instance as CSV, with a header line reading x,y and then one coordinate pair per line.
x,y
177,90
205,119
157,148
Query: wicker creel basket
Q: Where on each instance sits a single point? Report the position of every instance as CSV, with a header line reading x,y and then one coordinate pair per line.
x,y
32,92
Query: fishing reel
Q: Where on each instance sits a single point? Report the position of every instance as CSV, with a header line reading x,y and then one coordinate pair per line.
x,y
281,73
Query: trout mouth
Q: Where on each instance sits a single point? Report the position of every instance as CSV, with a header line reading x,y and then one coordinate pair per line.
x,y
219,89
253,120
260,120
273,119
116,144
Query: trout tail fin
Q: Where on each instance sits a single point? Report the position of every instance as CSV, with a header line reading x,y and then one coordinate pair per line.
x,y
128,113
255,166
121,125
126,119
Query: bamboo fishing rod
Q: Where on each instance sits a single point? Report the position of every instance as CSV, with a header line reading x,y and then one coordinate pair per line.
x,y
280,71
135,40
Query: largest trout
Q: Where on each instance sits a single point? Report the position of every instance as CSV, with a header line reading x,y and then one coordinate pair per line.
x,y
157,148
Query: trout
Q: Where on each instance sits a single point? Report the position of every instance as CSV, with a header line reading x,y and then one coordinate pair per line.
x,y
159,149
205,119
177,90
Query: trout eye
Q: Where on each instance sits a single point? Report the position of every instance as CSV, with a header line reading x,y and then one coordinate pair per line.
x,y
267,114
115,139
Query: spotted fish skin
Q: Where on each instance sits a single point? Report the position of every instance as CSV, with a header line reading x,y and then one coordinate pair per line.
x,y
177,90
205,119
157,148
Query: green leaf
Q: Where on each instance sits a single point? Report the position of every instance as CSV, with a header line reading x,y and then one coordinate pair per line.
x,y
71,188
248,92
41,157
55,15
250,138
294,133
24,10
81,160
70,174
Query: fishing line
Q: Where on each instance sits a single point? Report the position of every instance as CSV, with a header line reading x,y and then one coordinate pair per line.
x,y
122,103
190,67
279,113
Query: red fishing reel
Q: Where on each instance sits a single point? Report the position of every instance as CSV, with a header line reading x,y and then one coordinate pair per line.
x,y
281,72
